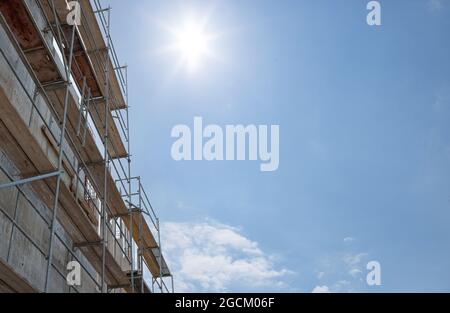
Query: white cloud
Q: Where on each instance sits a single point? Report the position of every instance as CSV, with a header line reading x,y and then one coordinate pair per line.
x,y
344,272
321,289
355,272
212,257
435,5
349,239
354,259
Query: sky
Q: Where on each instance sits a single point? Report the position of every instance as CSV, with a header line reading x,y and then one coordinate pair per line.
x,y
364,117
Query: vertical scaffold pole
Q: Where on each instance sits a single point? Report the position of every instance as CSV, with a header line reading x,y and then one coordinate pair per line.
x,y
173,287
160,256
105,143
129,182
67,67
141,245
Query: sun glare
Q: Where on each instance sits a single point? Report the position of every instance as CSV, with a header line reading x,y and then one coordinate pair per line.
x,y
192,44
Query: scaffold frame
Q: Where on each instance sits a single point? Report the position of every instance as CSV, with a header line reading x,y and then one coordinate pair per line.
x,y
79,121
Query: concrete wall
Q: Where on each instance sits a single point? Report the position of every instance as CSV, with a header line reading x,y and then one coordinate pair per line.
x,y
24,237
24,218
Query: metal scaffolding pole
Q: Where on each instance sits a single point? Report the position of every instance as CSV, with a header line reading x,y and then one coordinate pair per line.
x,y
160,255
106,156
105,22
171,279
67,68
141,246
29,180
129,181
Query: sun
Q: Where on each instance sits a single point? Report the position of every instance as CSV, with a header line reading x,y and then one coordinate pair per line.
x,y
192,42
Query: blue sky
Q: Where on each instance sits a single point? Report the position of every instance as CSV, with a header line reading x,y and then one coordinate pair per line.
x,y
364,146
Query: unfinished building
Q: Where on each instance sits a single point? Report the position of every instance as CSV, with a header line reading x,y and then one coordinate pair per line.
x,y
67,193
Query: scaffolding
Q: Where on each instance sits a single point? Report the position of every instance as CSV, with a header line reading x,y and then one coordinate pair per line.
x,y
92,193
